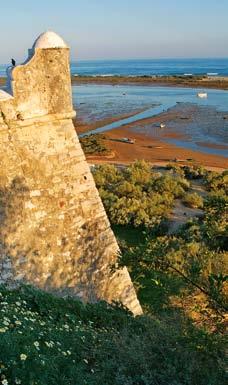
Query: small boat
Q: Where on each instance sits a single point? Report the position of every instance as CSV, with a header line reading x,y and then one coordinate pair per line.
x,y
202,95
162,125
127,140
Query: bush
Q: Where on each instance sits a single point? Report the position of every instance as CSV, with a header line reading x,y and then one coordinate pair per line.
x,y
94,145
136,195
195,172
215,226
217,182
193,200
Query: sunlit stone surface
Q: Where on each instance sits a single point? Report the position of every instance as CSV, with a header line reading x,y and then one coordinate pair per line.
x,y
55,233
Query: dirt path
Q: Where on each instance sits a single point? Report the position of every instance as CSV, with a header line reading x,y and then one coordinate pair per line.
x,y
181,214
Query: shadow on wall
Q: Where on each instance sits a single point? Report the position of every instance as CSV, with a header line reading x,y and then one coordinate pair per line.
x,y
12,200
24,259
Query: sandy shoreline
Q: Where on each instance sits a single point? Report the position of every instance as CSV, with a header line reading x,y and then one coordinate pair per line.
x,y
178,81
215,82
153,149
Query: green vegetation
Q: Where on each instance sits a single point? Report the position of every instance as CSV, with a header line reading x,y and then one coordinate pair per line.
x,y
193,200
139,201
94,145
48,341
217,183
137,195
194,172
186,271
191,171
181,281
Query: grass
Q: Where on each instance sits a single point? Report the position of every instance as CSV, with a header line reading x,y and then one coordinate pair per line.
x,y
47,340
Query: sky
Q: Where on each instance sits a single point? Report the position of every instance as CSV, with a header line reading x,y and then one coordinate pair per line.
x,y
118,29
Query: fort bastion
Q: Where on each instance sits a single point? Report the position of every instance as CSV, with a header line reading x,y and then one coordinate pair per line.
x,y
54,231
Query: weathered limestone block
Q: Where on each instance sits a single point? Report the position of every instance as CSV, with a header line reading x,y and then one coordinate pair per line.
x,y
54,230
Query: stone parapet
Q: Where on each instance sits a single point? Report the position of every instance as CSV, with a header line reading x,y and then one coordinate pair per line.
x,y
55,233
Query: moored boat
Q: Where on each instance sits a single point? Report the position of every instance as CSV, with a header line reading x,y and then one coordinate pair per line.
x,y
202,94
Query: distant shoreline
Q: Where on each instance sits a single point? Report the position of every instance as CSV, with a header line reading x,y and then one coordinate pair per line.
x,y
215,82
173,81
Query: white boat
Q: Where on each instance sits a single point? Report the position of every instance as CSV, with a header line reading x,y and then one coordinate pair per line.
x,y
162,125
127,140
202,95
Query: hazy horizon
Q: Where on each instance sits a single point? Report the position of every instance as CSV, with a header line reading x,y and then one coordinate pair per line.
x,y
120,30
139,59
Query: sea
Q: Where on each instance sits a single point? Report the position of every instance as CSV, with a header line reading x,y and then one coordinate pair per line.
x,y
148,67
209,124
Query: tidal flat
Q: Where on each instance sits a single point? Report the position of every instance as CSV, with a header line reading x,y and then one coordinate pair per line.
x,y
192,128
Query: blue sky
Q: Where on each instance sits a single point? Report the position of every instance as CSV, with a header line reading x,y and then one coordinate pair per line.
x,y
114,29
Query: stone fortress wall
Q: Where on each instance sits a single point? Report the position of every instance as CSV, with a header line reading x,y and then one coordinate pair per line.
x,y
54,231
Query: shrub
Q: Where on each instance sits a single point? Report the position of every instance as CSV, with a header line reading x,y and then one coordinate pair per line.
x,y
136,195
217,182
195,172
215,226
193,200
94,144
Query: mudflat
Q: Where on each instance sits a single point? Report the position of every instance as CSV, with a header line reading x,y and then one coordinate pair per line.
x,y
148,145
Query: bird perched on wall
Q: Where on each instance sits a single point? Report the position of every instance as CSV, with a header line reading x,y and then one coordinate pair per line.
x,y
13,62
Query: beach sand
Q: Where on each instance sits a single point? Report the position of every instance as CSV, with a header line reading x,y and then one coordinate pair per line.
x,y
151,148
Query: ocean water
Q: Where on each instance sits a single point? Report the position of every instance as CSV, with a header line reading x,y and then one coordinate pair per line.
x,y
147,67
151,67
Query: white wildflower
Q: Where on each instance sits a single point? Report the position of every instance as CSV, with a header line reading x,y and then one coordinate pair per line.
x,y
23,357
36,344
